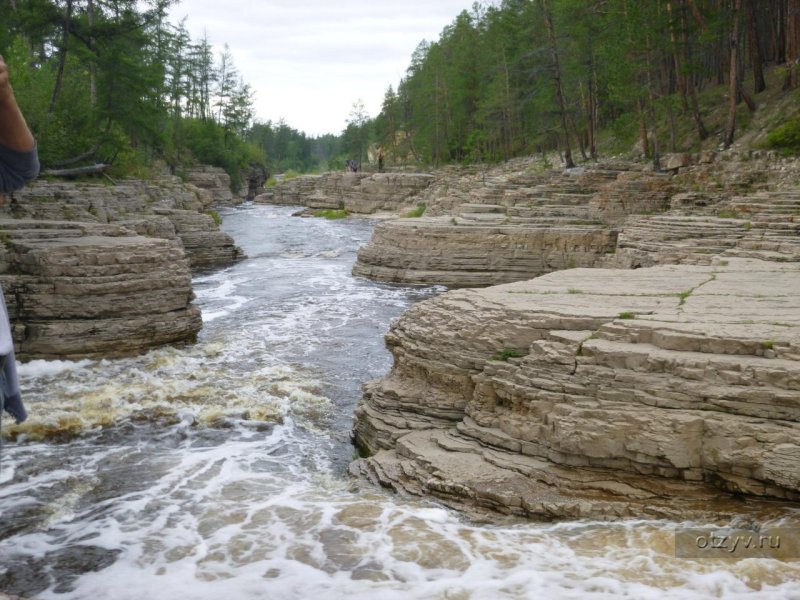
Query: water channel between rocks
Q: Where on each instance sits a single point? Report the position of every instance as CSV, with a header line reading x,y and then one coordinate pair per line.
x,y
219,469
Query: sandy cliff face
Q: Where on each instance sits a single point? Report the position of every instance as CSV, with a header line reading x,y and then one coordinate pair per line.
x,y
597,393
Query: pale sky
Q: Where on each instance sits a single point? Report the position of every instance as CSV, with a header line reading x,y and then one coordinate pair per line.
x,y
309,60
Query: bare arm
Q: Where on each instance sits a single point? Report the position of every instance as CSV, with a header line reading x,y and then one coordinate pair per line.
x,y
14,132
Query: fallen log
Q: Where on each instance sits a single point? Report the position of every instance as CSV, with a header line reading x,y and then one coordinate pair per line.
x,y
76,171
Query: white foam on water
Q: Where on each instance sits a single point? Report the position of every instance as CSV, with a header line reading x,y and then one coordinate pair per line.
x,y
49,368
6,474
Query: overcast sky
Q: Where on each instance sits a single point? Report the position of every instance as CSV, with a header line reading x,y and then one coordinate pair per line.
x,y
309,60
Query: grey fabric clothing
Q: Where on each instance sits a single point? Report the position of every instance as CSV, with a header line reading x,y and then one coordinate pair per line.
x,y
16,168
12,399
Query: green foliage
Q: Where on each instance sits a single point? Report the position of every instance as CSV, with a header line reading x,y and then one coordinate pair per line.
x,y
767,345
786,138
332,214
215,215
626,315
506,353
128,89
417,212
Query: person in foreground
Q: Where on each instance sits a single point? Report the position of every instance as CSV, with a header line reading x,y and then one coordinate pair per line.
x,y
19,163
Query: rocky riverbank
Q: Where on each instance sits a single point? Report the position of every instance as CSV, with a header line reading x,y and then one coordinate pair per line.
x,y
518,221
94,270
672,391
361,193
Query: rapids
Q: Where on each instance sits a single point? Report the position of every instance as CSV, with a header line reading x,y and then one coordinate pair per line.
x,y
218,470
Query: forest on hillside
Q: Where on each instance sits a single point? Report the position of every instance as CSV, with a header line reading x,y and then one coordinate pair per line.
x,y
114,82
529,75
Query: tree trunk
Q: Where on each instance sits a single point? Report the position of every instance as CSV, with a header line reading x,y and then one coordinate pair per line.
x,y
643,128
792,33
562,103
92,66
756,56
702,132
62,61
652,109
733,78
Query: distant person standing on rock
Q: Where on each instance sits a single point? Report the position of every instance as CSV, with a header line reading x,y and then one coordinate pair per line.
x,y
19,162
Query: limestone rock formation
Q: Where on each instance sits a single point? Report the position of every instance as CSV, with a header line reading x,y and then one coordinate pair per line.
x,y
362,193
470,250
508,228
517,221
77,290
166,209
671,391
214,180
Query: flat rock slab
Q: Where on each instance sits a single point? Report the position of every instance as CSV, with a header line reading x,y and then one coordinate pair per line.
x,y
668,392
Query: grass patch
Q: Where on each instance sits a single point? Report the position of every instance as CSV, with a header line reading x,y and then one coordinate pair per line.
x,y
506,353
290,174
768,345
683,296
417,212
727,214
626,315
574,291
332,214
214,215
271,182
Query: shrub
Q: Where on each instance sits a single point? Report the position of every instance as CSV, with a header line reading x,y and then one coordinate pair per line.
x,y
331,213
786,138
506,353
417,212
214,215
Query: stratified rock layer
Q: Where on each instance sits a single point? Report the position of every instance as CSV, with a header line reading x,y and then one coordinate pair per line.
x,y
215,181
77,290
166,209
469,253
362,193
509,227
597,393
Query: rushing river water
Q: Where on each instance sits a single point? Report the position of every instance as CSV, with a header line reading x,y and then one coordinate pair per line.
x,y
219,470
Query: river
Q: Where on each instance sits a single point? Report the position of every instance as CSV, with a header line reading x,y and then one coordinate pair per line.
x,y
218,470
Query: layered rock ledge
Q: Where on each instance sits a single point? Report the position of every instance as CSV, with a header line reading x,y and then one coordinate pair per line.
x,y
96,271
671,391
516,221
362,193
511,226
167,209
82,290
